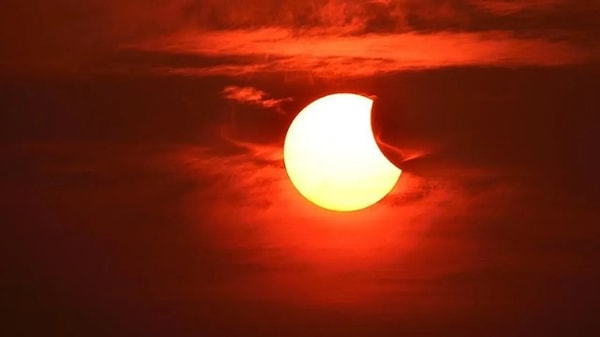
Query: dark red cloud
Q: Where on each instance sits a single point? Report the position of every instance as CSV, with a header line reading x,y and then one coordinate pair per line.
x,y
504,7
83,37
356,39
333,55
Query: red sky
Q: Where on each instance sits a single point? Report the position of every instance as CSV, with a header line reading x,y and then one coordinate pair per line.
x,y
144,191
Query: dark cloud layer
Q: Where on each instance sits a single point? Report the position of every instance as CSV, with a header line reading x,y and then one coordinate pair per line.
x,y
82,37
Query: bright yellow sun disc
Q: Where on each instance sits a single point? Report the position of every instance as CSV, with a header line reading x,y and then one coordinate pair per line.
x,y
331,155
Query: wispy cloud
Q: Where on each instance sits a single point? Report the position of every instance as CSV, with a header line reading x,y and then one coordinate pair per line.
x,y
423,218
334,55
504,7
254,96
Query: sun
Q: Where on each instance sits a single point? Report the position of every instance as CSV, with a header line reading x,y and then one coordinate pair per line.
x,y
331,155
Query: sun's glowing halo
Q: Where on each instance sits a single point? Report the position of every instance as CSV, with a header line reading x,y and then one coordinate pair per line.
x,y
332,157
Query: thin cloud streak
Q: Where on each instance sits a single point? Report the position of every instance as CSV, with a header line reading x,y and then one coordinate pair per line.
x,y
254,96
503,7
418,223
360,55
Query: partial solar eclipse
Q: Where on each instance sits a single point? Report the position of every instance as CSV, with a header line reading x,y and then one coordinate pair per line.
x,y
331,155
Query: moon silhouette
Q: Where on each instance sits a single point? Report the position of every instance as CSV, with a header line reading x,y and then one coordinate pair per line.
x,y
331,155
